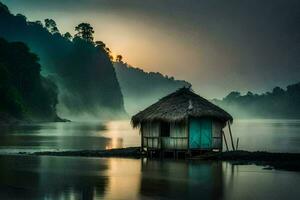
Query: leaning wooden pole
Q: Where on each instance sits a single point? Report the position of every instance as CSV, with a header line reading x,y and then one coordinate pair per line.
x,y
237,144
225,140
231,136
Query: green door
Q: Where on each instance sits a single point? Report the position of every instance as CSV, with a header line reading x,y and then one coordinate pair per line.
x,y
200,134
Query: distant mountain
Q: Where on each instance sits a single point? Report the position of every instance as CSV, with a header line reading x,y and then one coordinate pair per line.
x,y
83,71
280,103
141,89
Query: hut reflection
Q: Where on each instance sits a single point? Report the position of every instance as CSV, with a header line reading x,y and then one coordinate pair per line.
x,y
181,180
206,180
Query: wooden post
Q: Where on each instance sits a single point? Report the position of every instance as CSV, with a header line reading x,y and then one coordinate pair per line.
x,y
231,136
225,140
237,143
142,139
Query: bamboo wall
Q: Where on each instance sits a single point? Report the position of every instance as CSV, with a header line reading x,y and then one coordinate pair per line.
x,y
150,133
217,135
178,136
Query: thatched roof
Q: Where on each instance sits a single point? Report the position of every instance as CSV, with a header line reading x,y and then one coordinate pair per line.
x,y
178,106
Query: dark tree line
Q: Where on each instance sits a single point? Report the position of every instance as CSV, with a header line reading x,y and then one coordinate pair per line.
x,y
24,93
279,103
81,67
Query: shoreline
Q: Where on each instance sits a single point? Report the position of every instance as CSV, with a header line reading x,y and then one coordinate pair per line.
x,y
129,152
7,120
278,161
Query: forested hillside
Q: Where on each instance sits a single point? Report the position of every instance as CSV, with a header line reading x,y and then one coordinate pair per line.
x,y
280,103
80,67
24,93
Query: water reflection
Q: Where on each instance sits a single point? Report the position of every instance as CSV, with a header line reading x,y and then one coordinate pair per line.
x,y
124,179
68,136
51,178
32,177
181,180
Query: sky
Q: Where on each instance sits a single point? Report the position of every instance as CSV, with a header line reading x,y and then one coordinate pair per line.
x,y
218,46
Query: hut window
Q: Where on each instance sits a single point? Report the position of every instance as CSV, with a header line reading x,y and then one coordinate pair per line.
x,y
164,129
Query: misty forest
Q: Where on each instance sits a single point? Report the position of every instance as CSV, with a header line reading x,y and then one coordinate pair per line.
x,y
81,77
278,103
82,69
79,67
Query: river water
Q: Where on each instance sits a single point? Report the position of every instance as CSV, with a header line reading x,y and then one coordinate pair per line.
x,y
46,177
59,178
254,135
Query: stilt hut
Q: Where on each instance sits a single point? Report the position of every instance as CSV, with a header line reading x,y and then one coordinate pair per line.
x,y
181,122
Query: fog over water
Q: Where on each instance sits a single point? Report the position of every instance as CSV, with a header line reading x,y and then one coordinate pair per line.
x,y
254,135
50,177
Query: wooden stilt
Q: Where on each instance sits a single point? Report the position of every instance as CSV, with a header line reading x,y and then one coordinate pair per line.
x,y
225,140
231,137
142,140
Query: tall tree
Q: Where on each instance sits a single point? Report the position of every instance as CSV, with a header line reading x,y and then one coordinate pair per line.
x,y
85,31
119,58
68,36
101,45
50,24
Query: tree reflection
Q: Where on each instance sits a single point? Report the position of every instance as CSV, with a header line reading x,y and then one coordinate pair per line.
x,y
24,177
